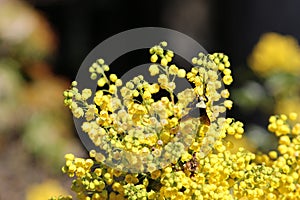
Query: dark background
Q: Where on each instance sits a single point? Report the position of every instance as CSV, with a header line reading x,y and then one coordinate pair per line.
x,y
232,27
229,26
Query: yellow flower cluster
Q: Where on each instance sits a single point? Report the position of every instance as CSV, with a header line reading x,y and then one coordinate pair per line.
x,y
219,175
275,53
194,161
129,116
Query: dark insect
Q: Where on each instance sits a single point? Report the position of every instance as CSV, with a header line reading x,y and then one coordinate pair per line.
x,y
197,107
204,119
191,165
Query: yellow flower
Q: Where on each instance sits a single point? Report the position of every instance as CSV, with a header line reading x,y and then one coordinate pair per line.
x,y
275,53
105,67
293,116
164,62
155,174
100,157
112,89
165,137
78,112
170,54
154,70
228,104
146,95
225,93
273,154
69,156
113,77
154,88
227,71
227,79
118,82
186,157
154,58
129,178
181,73
173,69
44,190
101,82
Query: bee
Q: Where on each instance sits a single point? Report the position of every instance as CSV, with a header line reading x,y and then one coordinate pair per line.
x,y
191,165
204,119
197,108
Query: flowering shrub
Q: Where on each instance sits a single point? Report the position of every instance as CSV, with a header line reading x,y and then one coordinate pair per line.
x,y
155,147
276,59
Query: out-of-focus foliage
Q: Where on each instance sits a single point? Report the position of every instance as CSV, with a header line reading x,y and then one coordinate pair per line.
x,y
35,128
24,33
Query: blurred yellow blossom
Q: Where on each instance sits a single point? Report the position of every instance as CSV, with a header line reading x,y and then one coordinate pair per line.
x,y
288,105
44,190
275,53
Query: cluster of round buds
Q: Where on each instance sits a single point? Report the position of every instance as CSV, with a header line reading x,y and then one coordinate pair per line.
x,y
279,124
208,81
158,52
288,130
123,121
76,166
234,128
99,68
199,164
135,192
220,174
69,94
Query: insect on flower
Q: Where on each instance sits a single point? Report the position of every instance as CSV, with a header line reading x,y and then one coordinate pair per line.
x,y
197,107
204,119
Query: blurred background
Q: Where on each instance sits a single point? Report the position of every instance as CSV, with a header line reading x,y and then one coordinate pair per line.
x,y
43,42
